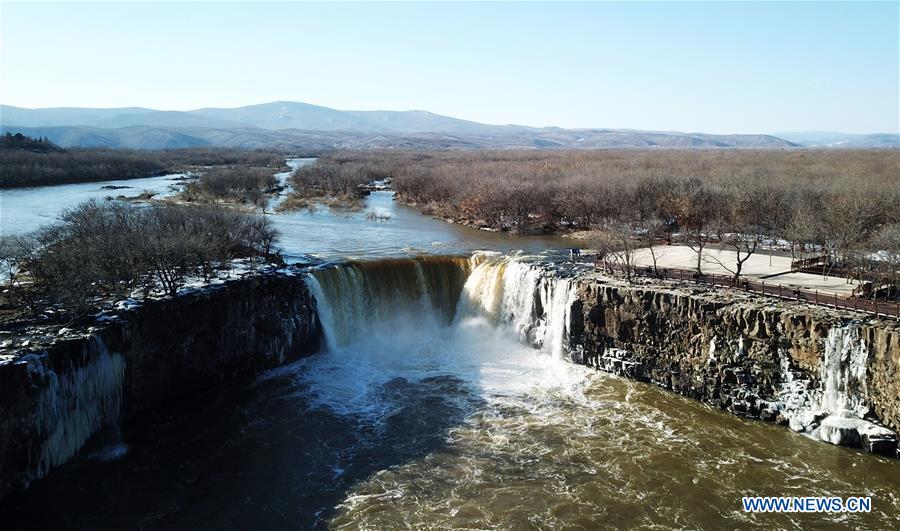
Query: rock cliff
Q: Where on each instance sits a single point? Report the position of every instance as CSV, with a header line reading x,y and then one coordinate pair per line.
x,y
831,374
53,397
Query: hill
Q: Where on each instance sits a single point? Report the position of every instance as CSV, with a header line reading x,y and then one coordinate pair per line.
x,y
143,137
831,139
311,127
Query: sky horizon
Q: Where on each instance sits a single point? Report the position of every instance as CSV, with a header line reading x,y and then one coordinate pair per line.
x,y
722,67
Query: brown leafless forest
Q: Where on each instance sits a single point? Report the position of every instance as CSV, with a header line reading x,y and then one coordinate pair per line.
x,y
26,162
843,202
233,184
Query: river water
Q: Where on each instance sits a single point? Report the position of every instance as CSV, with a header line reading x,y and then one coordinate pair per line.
x,y
381,228
442,401
24,210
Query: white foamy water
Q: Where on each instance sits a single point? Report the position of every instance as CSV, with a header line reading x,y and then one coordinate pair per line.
x,y
490,363
533,302
383,325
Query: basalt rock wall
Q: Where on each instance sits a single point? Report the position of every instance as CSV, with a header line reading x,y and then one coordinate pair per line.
x,y
832,374
53,397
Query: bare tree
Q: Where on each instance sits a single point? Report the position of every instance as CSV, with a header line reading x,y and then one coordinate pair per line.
x,y
616,244
887,243
699,212
9,259
650,231
99,250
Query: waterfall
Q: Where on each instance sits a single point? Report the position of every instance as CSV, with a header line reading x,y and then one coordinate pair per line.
x,y
843,373
418,325
794,396
521,294
842,391
528,296
75,404
356,298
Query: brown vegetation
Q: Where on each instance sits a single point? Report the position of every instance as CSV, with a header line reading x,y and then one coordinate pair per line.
x,y
338,183
37,162
835,202
244,185
111,249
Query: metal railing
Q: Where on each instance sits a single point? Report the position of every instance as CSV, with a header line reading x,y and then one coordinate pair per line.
x,y
808,263
832,300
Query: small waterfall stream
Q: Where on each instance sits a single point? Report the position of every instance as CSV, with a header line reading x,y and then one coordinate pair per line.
x,y
532,300
843,373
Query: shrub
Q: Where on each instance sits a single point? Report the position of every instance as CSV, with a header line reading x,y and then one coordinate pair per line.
x,y
103,249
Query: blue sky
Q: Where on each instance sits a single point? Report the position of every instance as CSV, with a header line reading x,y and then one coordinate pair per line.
x,y
713,67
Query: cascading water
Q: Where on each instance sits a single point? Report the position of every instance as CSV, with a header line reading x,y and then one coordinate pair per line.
x,y
843,373
432,317
356,299
533,300
844,391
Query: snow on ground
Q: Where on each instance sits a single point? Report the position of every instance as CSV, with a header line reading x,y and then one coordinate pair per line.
x,y
760,267
228,271
715,261
828,285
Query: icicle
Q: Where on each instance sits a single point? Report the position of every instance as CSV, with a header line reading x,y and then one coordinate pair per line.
x,y
843,373
76,404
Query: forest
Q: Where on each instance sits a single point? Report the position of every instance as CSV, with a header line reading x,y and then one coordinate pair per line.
x,y
28,162
839,202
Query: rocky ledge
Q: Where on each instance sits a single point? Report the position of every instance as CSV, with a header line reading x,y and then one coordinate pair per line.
x,y
831,374
59,387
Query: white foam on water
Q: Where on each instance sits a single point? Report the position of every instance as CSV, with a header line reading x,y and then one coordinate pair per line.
x,y
374,335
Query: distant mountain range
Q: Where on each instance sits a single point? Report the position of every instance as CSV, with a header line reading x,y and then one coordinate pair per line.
x,y
273,116
295,125
831,139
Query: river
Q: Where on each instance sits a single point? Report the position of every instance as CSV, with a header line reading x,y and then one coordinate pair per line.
x,y
24,210
381,228
438,403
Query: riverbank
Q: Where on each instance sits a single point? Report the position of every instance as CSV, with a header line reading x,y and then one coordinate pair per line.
x,y
450,215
